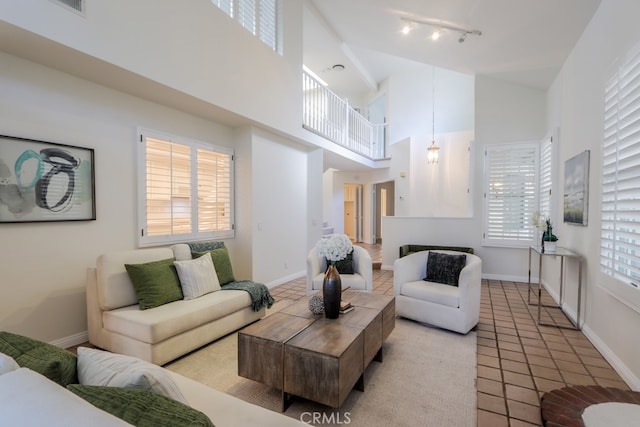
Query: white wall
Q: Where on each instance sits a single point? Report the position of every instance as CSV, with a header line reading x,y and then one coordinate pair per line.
x,y
279,208
410,97
441,190
575,105
315,203
195,49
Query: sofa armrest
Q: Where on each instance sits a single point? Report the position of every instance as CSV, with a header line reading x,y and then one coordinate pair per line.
x,y
409,269
314,267
94,312
470,283
363,265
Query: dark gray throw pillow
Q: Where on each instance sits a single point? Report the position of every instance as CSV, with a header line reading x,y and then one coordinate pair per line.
x,y
445,268
345,266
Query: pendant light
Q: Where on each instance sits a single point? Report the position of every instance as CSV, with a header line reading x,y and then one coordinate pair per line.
x,y
432,151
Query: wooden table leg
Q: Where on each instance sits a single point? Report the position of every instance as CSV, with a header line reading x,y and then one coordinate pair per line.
x,y
378,356
360,384
286,400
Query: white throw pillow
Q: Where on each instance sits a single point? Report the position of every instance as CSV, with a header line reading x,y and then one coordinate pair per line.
x,y
28,398
197,276
7,364
102,368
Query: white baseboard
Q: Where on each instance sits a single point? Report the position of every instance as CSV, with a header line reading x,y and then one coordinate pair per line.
x,y
627,375
286,279
72,340
506,278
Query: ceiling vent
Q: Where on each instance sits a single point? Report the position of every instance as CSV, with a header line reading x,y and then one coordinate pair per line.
x,y
77,6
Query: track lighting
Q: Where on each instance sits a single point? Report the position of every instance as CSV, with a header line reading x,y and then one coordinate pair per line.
x,y
439,26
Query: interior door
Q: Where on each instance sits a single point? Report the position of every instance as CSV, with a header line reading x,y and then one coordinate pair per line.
x,y
359,214
349,219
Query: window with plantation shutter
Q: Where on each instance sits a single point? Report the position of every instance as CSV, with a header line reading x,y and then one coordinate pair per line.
x,y
262,18
511,194
186,190
620,204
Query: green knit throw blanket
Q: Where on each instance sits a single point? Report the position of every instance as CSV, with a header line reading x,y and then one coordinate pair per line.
x,y
260,295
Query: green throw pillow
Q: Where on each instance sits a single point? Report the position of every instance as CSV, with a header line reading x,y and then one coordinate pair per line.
x,y
55,363
141,407
221,262
155,283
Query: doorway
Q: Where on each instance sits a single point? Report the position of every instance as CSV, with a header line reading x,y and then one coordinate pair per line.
x,y
383,205
353,211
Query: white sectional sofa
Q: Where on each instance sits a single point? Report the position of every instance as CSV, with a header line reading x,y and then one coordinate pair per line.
x,y
163,333
28,398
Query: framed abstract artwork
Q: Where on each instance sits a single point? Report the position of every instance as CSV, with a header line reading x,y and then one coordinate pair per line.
x,y
576,189
45,181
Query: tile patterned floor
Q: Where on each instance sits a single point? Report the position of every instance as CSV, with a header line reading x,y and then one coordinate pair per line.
x,y
518,360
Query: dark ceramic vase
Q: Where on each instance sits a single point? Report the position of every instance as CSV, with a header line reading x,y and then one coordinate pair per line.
x,y
332,292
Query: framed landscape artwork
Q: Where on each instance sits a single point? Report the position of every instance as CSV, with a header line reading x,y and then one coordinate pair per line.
x,y
45,181
576,189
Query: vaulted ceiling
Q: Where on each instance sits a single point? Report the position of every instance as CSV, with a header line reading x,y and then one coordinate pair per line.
x,y
524,42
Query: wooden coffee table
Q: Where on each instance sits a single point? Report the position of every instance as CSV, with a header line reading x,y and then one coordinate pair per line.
x,y
309,356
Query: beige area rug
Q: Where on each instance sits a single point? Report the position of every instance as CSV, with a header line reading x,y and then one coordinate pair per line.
x,y
427,378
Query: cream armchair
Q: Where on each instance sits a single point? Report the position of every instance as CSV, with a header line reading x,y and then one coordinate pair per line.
x,y
456,308
362,279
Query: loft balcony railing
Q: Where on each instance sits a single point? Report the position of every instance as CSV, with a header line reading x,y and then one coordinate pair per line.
x,y
331,117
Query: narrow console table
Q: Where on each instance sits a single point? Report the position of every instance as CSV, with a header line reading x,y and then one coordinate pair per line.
x,y
563,254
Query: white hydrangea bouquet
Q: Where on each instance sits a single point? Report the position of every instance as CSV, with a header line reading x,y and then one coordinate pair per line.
x,y
334,248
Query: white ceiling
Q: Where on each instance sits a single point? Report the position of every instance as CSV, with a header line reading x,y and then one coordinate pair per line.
x,y
522,41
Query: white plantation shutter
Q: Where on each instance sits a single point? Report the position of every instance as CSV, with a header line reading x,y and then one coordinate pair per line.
x,y
546,165
168,188
620,227
246,15
262,18
186,190
268,20
214,190
511,194
225,5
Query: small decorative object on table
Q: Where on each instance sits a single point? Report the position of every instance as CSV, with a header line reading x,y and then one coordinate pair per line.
x,y
334,248
316,304
345,307
549,239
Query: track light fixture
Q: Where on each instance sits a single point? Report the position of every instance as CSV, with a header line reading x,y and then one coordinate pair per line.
x,y
439,25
